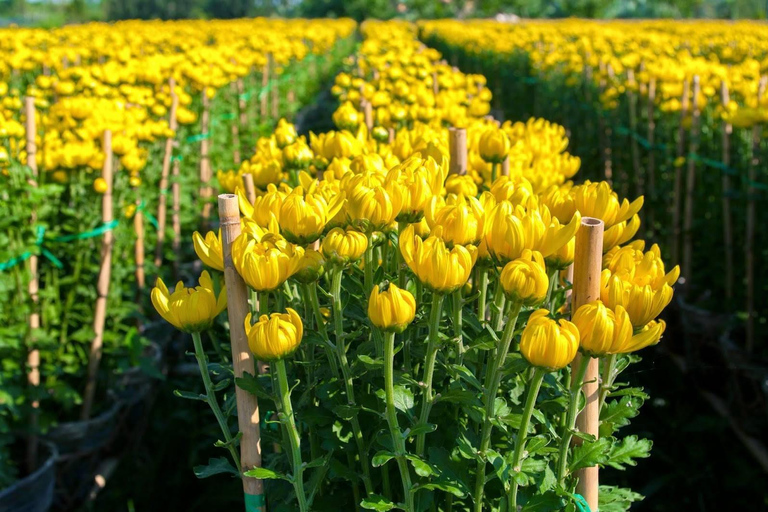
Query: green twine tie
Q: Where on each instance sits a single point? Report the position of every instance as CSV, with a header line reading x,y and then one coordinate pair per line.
x,y
254,502
581,503
152,220
109,226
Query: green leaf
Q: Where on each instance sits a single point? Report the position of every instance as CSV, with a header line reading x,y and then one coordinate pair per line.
x,y
547,502
253,385
625,451
369,362
590,453
458,396
215,467
421,467
617,413
442,485
382,458
403,399
421,428
189,395
266,474
616,499
376,502
345,412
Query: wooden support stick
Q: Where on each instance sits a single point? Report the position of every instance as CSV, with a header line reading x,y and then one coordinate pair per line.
x,y
102,287
250,188
275,90
205,162
587,265
138,228
749,246
651,199
242,103
690,183
235,132
368,114
505,166
638,178
33,358
457,149
242,359
176,208
726,179
162,201
678,191
264,83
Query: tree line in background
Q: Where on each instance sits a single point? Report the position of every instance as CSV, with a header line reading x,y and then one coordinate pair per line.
x,y
56,12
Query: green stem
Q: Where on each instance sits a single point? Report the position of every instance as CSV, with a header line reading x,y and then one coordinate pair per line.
x,y
429,366
522,432
210,398
495,367
494,171
458,304
394,428
565,440
609,366
368,269
341,352
289,423
315,303
552,284
483,299
499,301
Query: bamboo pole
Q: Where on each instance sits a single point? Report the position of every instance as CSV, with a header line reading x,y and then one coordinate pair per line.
x,y
242,359
726,178
750,235
587,265
138,228
250,188
205,162
602,132
33,358
693,147
505,166
264,83
457,149
275,90
242,103
368,114
176,220
235,131
639,178
102,287
651,157
678,192
162,201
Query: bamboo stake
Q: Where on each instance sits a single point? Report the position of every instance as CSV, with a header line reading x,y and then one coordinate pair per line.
x,y
275,90
602,131
102,287
33,358
265,95
726,178
690,184
651,156
505,166
750,235
368,114
435,86
639,178
587,265
138,228
250,188
677,195
242,103
457,149
242,359
205,163
161,206
235,132
176,191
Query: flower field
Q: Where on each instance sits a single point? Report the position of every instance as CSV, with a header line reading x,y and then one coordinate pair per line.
x,y
427,307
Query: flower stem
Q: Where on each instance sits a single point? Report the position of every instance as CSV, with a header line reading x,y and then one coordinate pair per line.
x,y
609,375
341,352
481,301
494,171
429,366
394,428
315,303
553,273
458,304
289,423
210,398
570,424
522,432
495,367
368,268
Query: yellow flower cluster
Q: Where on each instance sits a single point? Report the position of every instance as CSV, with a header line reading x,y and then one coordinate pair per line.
x,y
89,78
621,56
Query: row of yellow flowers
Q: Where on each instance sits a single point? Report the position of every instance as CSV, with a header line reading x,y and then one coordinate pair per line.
x,y
628,55
370,215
